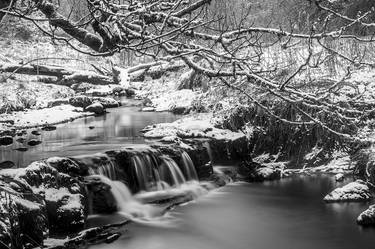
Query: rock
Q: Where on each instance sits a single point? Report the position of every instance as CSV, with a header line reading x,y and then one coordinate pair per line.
x,y
67,166
96,108
354,191
21,133
34,142
7,165
22,149
170,139
6,140
100,196
339,177
148,109
91,127
49,128
130,92
10,231
107,102
21,140
367,217
36,133
255,172
58,102
80,101
180,110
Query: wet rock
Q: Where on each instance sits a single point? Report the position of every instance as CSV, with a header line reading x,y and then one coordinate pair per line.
x,y
180,110
22,149
91,127
354,191
21,140
6,140
367,217
7,165
36,133
119,91
130,92
21,133
80,101
96,108
49,128
34,142
107,102
339,177
100,196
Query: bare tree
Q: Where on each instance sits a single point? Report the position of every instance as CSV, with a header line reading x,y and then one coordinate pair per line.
x,y
234,51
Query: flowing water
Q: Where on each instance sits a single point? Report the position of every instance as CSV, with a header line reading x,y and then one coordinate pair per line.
x,y
119,127
286,214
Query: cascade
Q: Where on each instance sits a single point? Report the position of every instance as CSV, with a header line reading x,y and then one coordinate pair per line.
x,y
188,167
170,172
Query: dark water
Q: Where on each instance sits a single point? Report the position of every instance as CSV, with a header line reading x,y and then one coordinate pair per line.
x,y
287,214
118,128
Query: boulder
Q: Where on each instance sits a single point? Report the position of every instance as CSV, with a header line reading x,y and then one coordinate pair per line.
x,y
354,191
6,140
367,217
80,101
100,196
67,166
96,108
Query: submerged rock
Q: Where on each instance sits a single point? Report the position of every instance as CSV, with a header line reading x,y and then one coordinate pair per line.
x,y
354,191
36,133
7,165
34,142
367,217
6,140
22,149
96,108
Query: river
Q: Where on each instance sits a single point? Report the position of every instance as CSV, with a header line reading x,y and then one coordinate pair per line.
x,y
286,214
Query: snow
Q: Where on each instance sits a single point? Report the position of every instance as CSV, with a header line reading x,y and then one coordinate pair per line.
x,y
35,118
354,191
197,126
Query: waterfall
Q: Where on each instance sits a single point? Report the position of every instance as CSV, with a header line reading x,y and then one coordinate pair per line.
x,y
188,167
99,164
170,172
128,205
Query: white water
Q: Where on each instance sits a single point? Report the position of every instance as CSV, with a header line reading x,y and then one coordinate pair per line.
x,y
188,167
133,208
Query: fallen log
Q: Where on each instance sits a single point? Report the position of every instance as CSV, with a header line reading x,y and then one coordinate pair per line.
x,y
65,76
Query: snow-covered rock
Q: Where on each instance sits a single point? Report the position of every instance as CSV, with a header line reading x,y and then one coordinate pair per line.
x,y
354,191
367,217
339,177
96,108
107,102
148,109
80,101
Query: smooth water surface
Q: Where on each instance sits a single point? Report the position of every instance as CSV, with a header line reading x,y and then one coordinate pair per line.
x,y
120,127
287,214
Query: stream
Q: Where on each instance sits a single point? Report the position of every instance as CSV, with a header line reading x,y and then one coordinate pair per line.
x,y
285,214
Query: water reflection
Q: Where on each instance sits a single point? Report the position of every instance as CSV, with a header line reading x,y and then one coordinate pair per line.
x,y
115,129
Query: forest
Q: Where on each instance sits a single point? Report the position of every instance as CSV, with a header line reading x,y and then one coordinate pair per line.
x,y
140,123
